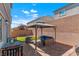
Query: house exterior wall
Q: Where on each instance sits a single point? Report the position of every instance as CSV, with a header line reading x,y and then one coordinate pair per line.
x,y
5,15
67,30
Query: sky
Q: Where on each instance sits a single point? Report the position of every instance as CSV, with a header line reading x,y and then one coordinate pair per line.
x,y
24,12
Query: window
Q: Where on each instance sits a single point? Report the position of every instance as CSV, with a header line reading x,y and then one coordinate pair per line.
x,y
62,13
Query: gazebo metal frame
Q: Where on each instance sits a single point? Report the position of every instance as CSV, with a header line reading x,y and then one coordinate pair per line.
x,y
41,25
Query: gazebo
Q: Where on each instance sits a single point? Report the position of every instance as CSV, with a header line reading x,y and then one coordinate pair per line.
x,y
41,25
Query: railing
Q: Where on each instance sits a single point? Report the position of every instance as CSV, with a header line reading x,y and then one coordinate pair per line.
x,y
13,51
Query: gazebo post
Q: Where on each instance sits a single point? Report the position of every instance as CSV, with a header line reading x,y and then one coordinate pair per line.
x,y
35,38
55,32
41,31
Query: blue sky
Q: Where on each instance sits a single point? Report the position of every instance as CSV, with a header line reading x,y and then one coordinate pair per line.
x,y
25,12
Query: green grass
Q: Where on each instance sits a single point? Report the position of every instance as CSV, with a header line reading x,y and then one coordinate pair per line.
x,y
33,37
21,39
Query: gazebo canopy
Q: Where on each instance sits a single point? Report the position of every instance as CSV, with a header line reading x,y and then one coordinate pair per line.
x,y
40,25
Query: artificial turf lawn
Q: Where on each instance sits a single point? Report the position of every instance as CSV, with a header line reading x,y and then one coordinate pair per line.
x,y
22,39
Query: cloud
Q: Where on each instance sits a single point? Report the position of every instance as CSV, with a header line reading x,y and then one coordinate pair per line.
x,y
15,16
18,22
34,15
25,11
21,20
33,11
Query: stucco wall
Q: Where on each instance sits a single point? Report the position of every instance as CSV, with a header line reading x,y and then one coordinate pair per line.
x,y
67,30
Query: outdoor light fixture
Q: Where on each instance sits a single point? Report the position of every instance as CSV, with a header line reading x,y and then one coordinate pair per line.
x,y
6,21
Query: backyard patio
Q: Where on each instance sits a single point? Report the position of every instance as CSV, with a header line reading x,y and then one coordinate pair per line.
x,y
58,49
46,46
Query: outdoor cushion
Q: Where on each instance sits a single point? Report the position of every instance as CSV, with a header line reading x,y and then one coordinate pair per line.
x,y
45,37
